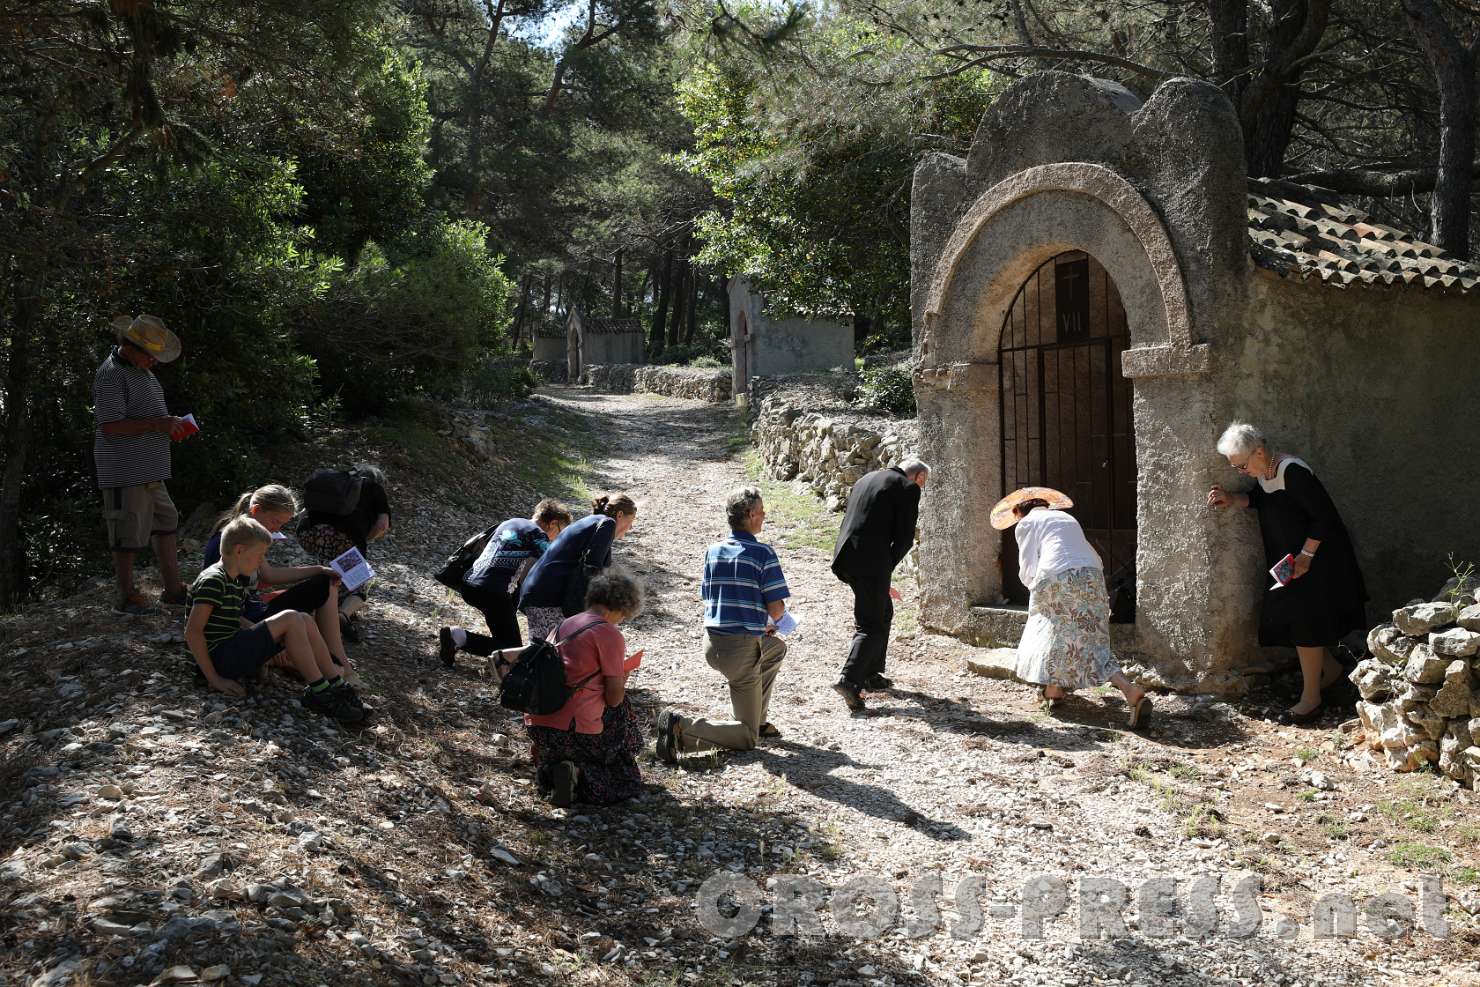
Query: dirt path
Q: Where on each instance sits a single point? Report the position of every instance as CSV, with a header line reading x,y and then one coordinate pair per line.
x,y
954,775
152,831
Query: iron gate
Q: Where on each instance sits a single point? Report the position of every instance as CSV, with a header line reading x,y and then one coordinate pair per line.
x,y
1066,413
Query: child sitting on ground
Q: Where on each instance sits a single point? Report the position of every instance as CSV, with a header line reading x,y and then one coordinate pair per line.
x,y
274,506
229,648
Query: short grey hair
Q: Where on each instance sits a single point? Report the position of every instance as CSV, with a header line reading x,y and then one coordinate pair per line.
x,y
1240,439
913,467
372,471
615,590
739,504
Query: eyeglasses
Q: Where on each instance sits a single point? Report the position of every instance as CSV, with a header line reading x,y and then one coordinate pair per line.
x,y
1243,467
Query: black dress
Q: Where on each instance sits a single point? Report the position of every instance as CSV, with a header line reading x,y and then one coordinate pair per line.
x,y
1328,602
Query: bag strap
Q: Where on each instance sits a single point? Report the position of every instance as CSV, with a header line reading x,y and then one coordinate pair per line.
x,y
575,634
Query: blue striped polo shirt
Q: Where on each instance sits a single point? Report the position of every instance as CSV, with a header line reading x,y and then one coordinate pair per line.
x,y
741,576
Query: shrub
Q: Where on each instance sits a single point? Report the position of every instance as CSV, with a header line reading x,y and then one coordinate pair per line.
x,y
408,320
492,380
889,390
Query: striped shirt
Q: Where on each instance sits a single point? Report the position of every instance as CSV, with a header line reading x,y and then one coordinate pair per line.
x,y
741,576
123,392
226,597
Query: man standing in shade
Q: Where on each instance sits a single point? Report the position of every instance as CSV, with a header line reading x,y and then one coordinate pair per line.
x,y
877,533
131,451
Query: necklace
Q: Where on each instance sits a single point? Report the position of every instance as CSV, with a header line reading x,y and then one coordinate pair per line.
x,y
1273,466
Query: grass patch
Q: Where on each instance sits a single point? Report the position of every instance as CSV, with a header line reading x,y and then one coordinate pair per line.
x,y
1184,772
793,520
1307,754
1412,855
737,442
1204,821
1335,828
1466,876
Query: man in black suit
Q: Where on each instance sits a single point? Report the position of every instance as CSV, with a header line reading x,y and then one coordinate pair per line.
x,y
877,533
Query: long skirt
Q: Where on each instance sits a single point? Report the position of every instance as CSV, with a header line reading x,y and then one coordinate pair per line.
x,y
606,761
1067,639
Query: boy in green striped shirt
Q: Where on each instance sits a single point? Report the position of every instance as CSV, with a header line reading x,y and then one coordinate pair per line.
x,y
228,648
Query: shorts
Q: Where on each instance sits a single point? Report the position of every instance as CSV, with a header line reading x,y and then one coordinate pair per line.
x,y
134,514
239,656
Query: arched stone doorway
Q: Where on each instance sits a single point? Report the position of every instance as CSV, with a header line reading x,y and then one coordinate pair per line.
x,y
1066,412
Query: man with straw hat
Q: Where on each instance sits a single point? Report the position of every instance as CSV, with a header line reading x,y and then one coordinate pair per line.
x,y
1066,642
131,452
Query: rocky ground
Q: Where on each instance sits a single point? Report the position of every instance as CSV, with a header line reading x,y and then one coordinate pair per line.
x,y
151,831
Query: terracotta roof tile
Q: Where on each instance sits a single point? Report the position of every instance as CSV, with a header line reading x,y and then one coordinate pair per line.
x,y
1304,231
610,326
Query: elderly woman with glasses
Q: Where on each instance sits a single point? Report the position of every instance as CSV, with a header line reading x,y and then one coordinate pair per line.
x,y
1326,597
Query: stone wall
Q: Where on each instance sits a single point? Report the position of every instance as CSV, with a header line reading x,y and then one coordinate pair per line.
x,y
828,447
1419,704
694,383
548,371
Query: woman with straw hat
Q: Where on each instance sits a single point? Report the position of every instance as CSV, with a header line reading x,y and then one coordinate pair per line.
x,y
1066,643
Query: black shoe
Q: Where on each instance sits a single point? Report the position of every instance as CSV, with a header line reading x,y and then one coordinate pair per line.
x,y
667,743
1290,718
332,702
446,647
562,784
851,695
348,695
877,683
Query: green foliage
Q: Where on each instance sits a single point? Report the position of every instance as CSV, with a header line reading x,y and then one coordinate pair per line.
x,y
889,390
407,322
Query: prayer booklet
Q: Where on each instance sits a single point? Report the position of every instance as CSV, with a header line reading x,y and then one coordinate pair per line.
x,y
194,426
1283,571
786,624
279,536
632,662
353,569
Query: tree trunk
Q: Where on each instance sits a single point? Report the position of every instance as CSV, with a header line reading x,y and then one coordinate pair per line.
x,y
660,313
690,317
1453,64
680,301
17,439
617,287
521,314
1266,95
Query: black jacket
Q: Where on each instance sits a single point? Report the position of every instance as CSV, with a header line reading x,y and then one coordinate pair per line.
x,y
879,527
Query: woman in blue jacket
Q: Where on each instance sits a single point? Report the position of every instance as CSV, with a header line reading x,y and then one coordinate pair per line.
x,y
555,587
491,585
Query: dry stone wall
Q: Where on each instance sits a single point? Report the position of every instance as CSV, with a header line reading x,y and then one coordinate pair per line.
x,y
694,383
1419,703
827,449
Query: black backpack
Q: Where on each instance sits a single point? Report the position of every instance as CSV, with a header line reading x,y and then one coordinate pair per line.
x,y
335,492
455,569
536,684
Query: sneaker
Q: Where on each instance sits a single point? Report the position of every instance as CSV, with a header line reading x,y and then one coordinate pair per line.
x,y
331,702
347,630
667,744
135,606
851,695
446,647
347,694
878,683
563,784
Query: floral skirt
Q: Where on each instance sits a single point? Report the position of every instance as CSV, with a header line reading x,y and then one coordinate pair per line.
x,y
606,761
327,543
1067,640
542,621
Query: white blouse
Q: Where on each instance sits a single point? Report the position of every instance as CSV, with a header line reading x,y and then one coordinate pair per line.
x,y
1278,483
1050,542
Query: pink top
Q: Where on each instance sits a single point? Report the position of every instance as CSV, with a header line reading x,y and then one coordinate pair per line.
x,y
603,648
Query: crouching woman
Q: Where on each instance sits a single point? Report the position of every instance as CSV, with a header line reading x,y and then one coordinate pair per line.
x,y
587,750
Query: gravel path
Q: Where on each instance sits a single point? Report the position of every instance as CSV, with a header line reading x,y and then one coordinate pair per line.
x,y
959,776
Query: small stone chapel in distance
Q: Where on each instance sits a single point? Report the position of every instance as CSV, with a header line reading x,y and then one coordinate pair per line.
x,y
1097,290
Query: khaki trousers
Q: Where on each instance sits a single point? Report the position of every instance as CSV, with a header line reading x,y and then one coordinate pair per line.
x,y
749,662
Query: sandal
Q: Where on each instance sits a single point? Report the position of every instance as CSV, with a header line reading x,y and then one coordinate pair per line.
x,y
563,784
1050,703
768,729
666,746
1141,713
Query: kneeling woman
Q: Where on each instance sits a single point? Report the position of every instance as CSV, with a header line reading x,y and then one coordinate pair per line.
x,y
1066,643
587,751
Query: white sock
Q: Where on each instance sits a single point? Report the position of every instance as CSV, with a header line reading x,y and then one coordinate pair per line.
x,y
459,637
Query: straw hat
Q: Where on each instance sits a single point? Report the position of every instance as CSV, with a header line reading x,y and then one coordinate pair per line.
x,y
1003,516
149,334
